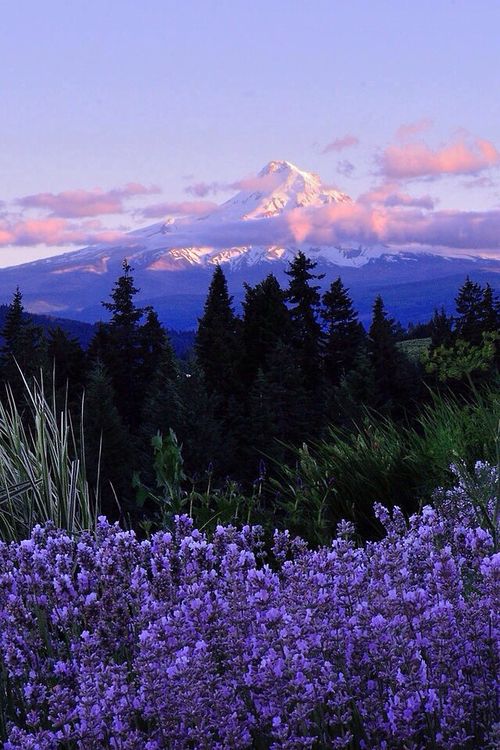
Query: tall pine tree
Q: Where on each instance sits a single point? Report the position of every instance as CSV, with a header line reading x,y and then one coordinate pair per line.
x,y
469,306
343,332
108,450
23,345
304,298
385,357
266,321
216,338
123,354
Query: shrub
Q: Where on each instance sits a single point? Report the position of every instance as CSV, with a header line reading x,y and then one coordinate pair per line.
x,y
42,466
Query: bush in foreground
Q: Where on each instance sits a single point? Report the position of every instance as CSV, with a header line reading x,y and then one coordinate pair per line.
x,y
195,641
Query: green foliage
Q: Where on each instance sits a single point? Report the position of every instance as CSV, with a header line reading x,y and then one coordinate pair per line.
x,y
304,299
108,442
42,467
344,333
23,346
215,342
415,349
469,306
266,322
169,475
170,497
343,475
463,360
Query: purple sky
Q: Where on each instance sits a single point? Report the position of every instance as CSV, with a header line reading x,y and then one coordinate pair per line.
x,y
111,108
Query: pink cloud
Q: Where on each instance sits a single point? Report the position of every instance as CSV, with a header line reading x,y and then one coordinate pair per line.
x,y
339,144
358,222
80,203
182,208
410,129
252,182
56,232
390,194
413,160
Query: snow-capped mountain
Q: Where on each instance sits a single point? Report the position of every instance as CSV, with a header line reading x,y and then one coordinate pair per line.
x,y
279,187
254,233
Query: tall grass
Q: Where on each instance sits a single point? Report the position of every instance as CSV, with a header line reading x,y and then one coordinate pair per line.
x,y
345,474
42,465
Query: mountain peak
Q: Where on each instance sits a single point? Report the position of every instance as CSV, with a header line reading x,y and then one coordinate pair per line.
x,y
279,187
278,166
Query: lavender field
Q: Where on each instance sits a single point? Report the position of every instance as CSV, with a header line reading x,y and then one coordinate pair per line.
x,y
189,640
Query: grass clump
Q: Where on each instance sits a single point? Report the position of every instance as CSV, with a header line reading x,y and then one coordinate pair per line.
x,y
42,466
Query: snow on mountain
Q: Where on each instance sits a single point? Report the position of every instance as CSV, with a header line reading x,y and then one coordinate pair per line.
x,y
279,187
249,235
180,243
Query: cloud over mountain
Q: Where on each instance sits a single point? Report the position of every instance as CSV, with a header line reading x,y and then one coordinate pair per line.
x,y
81,203
417,160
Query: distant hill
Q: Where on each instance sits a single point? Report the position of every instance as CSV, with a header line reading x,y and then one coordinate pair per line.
x,y
182,341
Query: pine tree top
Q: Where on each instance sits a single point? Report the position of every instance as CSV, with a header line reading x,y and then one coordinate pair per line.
x,y
124,312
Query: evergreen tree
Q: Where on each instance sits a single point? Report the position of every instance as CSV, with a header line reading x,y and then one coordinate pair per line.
x,y
163,409
358,389
490,311
125,316
200,430
100,344
343,332
279,406
216,339
385,357
441,329
157,351
14,322
469,306
490,320
23,345
66,359
304,300
108,448
266,321
123,357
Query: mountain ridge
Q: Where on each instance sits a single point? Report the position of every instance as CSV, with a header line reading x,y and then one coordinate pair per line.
x,y
249,235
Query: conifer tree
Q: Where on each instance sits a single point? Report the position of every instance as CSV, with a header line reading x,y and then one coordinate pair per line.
x,y
163,409
279,409
441,329
100,344
266,321
343,334
490,311
107,443
156,349
216,341
385,357
469,306
14,321
200,430
123,356
357,389
66,362
304,300
125,316
23,345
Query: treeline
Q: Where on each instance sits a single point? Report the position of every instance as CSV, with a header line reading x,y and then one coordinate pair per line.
x,y
295,362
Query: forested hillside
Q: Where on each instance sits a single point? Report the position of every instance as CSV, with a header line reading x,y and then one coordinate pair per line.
x,y
250,416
